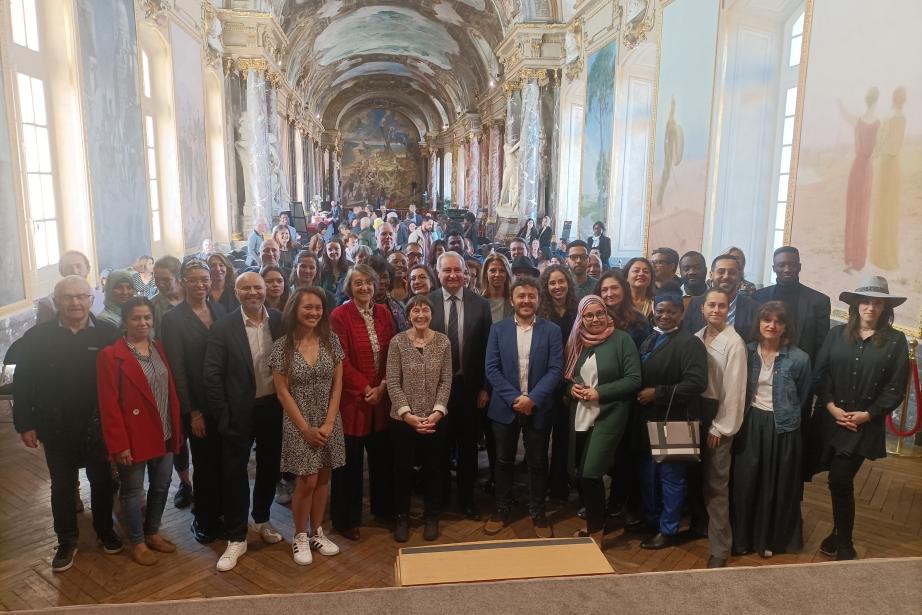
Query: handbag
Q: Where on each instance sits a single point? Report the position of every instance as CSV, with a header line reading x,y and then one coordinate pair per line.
x,y
674,441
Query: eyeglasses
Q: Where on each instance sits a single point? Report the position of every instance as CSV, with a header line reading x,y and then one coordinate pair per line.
x,y
578,257
72,298
595,316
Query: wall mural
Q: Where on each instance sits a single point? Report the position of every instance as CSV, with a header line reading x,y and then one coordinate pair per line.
x,y
688,44
12,289
595,186
859,177
189,92
380,157
112,120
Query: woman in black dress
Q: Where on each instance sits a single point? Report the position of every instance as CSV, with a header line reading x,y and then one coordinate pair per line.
x,y
860,377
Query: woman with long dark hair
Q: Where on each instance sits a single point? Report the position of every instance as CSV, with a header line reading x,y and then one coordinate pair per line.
x,y
558,304
861,376
495,281
333,266
223,276
528,232
435,250
614,291
639,277
767,479
421,279
307,367
276,288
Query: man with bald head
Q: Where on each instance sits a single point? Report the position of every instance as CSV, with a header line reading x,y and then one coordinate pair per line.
x,y
240,393
55,403
465,318
75,263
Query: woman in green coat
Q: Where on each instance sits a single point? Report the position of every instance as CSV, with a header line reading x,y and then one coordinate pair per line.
x,y
602,377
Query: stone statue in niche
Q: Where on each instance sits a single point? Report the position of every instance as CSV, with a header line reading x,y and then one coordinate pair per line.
x,y
571,47
509,195
244,147
281,198
215,28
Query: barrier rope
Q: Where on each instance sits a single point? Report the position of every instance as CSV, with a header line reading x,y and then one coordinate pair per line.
x,y
915,382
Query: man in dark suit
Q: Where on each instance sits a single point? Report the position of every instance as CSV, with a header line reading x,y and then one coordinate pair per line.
x,y
523,366
726,274
465,318
600,241
241,394
809,308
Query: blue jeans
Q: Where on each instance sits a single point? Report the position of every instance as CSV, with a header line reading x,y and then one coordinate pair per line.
x,y
160,472
536,441
663,490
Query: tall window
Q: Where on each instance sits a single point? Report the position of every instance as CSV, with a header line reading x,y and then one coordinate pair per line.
x,y
38,171
789,78
24,22
150,148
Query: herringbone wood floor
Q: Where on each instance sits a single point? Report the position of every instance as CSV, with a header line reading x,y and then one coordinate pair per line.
x,y
889,524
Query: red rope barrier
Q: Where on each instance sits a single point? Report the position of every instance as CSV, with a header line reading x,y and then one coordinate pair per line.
x,y
918,390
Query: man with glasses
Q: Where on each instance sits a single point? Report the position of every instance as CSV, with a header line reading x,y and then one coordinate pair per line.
x,y
665,261
578,262
55,403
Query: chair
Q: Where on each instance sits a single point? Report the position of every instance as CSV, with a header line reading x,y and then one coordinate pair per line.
x,y
9,368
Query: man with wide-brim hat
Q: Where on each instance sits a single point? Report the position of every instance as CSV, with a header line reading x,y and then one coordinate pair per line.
x,y
523,266
873,287
860,375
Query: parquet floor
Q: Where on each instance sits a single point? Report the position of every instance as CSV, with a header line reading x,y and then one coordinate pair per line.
x,y
889,524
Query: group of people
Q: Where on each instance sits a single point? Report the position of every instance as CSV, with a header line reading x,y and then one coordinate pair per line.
x,y
410,358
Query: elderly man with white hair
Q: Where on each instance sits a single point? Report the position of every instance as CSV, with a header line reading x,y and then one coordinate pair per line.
x,y
64,417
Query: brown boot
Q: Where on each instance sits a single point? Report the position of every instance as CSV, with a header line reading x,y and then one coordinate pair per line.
x,y
159,543
142,555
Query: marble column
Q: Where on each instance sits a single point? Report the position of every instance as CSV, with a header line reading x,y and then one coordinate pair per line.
x,y
337,161
496,170
473,158
550,113
531,151
433,178
253,149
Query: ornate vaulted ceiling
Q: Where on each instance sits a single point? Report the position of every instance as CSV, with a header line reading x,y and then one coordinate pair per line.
x,y
427,59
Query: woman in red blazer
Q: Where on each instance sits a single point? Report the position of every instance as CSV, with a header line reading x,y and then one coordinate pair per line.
x,y
364,406
139,411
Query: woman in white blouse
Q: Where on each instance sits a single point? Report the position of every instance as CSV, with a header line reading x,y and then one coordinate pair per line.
x,y
722,414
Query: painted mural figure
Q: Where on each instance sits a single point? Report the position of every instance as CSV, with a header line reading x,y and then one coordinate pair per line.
x,y
674,146
860,181
884,237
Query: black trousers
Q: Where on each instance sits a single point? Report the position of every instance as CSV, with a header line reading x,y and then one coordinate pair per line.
x,y
842,471
591,490
429,449
64,461
266,431
207,477
535,441
464,421
346,481
558,479
181,459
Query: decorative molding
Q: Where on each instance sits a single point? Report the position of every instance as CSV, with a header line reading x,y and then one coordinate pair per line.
x,y
641,16
574,50
154,9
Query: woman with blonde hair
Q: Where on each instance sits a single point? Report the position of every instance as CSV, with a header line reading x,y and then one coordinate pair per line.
x,y
495,281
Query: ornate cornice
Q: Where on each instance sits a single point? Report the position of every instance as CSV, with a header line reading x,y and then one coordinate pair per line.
x,y
639,23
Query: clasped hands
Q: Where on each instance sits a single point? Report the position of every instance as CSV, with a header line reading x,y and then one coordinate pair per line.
x,y
423,424
524,405
374,394
316,437
584,393
849,420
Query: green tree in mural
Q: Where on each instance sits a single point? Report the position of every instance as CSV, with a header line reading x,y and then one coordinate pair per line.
x,y
599,105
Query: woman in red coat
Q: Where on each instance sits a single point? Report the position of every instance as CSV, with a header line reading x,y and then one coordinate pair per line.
x,y
139,411
365,330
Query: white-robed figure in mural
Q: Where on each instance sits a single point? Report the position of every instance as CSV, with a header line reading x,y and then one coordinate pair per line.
x,y
509,195
673,150
886,207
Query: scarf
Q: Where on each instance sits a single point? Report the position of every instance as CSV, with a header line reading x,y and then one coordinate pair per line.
x,y
580,338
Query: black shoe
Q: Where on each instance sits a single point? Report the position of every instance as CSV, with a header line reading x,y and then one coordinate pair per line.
x,y
471,512
183,497
717,562
64,556
402,529
845,553
660,541
431,531
581,513
830,545
498,520
110,542
691,534
542,527
489,487
201,536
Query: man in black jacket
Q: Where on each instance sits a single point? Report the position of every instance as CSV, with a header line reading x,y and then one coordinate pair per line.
x,y
55,403
465,318
241,394
809,308
726,274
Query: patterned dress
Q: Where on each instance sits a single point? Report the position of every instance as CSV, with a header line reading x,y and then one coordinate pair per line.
x,y
310,387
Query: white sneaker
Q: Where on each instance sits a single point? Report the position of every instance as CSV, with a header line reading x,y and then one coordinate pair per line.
x,y
323,544
283,492
301,549
269,534
231,554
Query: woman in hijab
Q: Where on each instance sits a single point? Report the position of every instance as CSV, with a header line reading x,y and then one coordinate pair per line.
x,y
603,374
119,289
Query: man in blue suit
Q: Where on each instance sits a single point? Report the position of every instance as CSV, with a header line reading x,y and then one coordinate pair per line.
x,y
523,366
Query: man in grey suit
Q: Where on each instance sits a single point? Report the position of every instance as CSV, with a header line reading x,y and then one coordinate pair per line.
x,y
465,318
726,274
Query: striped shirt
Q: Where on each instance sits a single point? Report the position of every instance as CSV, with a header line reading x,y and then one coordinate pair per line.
x,y
159,380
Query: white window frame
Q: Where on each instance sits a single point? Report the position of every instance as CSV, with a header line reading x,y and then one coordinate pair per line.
x,y
152,171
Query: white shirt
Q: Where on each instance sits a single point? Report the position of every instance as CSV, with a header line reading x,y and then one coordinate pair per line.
x,y
523,342
259,337
763,396
587,411
460,305
727,375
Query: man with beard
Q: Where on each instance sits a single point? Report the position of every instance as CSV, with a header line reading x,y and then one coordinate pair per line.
x,y
694,272
726,274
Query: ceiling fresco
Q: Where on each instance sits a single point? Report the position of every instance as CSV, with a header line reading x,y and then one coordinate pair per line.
x,y
428,59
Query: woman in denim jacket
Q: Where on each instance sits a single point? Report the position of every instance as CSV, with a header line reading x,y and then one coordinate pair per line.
x,y
767,484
